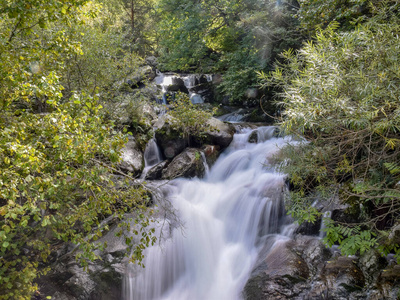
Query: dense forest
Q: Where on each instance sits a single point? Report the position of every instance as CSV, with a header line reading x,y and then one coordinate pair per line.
x,y
324,70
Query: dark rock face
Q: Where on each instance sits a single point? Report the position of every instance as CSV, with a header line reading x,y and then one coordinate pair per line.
x,y
187,164
303,268
178,85
102,281
308,228
253,138
155,173
280,275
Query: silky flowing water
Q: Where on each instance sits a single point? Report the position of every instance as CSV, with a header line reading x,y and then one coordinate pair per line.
x,y
226,219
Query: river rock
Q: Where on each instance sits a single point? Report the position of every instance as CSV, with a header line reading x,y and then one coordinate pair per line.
x,y
177,85
211,153
155,172
204,90
370,264
169,140
343,277
103,278
303,268
187,164
309,228
282,274
141,75
69,281
253,137
389,281
132,158
151,61
220,134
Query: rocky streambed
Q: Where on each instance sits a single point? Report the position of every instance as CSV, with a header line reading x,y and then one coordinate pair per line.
x,y
289,261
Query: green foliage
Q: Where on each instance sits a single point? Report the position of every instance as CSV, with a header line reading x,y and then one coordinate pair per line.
x,y
139,17
235,38
103,63
57,153
318,14
189,118
352,240
341,93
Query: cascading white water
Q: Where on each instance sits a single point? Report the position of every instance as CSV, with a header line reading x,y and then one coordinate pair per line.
x,y
152,156
190,81
325,216
225,218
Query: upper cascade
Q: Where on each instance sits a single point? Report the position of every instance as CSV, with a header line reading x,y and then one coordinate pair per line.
x,y
195,85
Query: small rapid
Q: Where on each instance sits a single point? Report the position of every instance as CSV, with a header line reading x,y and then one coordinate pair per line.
x,y
227,218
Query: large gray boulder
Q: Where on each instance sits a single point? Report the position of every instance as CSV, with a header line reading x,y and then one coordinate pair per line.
x,y
187,164
303,268
282,274
132,158
220,134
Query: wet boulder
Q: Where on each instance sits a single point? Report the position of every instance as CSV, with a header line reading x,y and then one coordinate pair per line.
x,y
343,277
132,158
220,133
177,85
211,153
187,164
389,280
281,274
253,137
155,172
168,139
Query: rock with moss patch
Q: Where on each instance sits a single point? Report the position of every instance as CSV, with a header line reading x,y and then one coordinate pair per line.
x,y
220,133
187,164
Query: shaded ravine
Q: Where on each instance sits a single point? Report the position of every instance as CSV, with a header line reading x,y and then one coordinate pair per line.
x,y
227,218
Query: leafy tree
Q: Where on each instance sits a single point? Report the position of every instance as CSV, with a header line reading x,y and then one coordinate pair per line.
x,y
314,14
141,16
56,153
341,93
103,64
235,38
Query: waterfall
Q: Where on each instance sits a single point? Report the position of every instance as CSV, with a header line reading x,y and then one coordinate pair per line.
x,y
325,216
152,156
190,81
227,217
205,164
